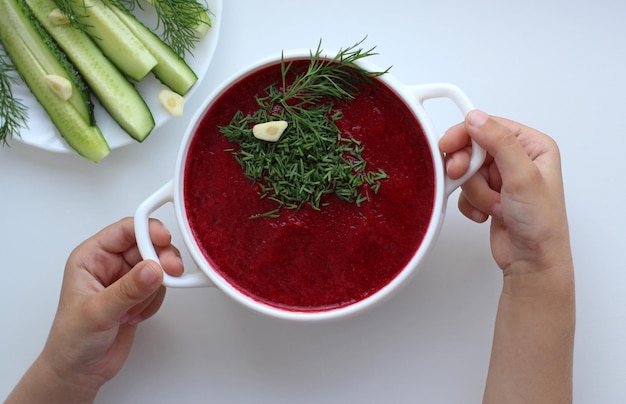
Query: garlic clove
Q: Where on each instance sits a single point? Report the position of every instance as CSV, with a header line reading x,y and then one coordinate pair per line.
x,y
173,102
269,131
61,86
58,17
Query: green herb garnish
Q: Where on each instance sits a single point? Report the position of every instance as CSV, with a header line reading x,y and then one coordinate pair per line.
x,y
312,158
182,21
13,113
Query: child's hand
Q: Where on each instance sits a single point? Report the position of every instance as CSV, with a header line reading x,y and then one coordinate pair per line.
x,y
520,186
107,290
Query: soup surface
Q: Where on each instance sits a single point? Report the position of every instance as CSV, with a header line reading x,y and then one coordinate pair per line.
x,y
309,260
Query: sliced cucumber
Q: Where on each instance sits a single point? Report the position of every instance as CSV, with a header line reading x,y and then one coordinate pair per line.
x,y
34,59
116,94
114,38
55,62
171,69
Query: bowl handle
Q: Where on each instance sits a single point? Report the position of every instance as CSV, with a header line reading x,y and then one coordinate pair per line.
x,y
445,90
142,216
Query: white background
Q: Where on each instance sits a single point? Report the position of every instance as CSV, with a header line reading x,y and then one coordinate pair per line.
x,y
557,66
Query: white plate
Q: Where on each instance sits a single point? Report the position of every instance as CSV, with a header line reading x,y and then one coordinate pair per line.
x,y
42,133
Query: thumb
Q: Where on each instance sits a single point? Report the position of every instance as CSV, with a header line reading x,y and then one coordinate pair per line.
x,y
131,289
501,143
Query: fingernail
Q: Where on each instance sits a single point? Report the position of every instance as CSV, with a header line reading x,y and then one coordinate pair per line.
x,y
478,216
449,163
477,118
149,275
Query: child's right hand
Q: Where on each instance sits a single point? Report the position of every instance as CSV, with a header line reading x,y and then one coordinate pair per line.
x,y
520,186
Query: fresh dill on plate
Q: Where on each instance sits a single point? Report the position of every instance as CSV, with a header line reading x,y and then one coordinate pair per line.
x,y
312,158
182,22
13,113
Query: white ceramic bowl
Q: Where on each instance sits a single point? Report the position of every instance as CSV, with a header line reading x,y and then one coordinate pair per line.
x,y
172,192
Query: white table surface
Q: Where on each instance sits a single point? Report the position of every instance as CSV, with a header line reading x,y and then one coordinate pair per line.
x,y
558,66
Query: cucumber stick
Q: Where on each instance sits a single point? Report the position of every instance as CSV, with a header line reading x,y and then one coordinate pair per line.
x,y
171,69
35,58
56,63
116,94
114,39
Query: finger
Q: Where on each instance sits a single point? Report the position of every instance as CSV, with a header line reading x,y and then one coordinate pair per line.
x,y
455,144
169,258
139,284
171,261
454,139
500,141
120,236
457,163
117,237
159,234
495,180
479,194
146,309
470,211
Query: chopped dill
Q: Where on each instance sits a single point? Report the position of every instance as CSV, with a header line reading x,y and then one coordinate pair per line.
x,y
312,158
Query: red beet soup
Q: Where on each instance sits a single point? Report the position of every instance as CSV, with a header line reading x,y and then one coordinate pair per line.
x,y
306,259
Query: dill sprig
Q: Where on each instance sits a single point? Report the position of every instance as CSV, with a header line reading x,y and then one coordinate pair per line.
x,y
312,158
13,113
182,21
